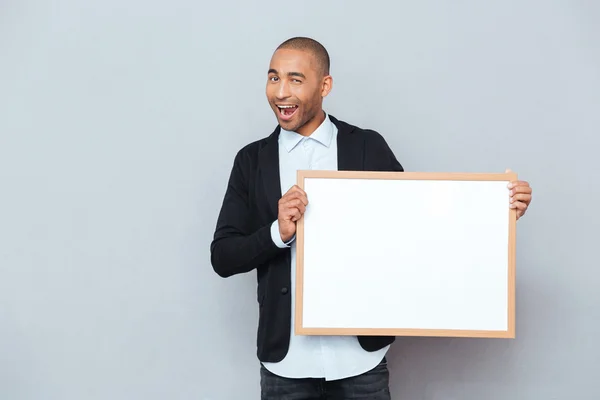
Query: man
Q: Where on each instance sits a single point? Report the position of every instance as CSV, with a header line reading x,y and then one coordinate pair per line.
x,y
257,224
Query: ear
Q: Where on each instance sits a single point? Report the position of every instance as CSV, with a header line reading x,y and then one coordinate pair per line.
x,y
326,85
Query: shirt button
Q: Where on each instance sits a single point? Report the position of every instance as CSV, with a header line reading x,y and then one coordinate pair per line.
x,y
284,290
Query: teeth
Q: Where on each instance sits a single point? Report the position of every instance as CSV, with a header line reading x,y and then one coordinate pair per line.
x,y
286,106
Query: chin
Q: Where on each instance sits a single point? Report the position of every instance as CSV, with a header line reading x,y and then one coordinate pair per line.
x,y
288,125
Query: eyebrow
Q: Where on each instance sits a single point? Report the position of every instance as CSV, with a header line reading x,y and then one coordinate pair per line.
x,y
298,74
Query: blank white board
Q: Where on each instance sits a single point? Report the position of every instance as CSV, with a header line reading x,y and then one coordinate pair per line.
x,y
398,253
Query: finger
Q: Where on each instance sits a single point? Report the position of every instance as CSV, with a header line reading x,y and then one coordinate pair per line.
x,y
522,197
288,209
295,203
296,189
294,214
303,199
299,204
521,183
519,205
296,195
521,189
515,184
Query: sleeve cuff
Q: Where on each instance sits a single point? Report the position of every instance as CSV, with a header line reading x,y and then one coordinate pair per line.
x,y
276,236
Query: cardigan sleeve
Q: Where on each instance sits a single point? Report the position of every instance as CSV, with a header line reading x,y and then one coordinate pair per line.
x,y
236,249
381,155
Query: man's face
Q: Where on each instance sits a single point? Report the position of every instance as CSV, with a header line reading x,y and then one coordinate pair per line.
x,y
295,90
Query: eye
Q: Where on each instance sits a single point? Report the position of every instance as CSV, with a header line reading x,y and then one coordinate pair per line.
x,y
273,79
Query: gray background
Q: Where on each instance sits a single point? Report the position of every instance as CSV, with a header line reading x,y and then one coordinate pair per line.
x,y
119,122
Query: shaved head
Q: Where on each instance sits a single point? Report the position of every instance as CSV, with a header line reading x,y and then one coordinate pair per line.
x,y
315,48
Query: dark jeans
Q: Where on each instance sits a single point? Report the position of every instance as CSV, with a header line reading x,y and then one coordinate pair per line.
x,y
372,385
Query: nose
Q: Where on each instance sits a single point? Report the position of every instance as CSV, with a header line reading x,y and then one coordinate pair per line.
x,y
283,91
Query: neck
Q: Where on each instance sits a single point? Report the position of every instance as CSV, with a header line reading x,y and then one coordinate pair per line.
x,y
312,125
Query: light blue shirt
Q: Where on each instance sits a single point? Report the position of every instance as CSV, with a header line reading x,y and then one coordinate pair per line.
x,y
329,357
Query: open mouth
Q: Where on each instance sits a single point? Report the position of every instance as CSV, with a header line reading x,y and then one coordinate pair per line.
x,y
287,111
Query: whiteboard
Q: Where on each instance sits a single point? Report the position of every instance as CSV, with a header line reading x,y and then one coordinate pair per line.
x,y
406,254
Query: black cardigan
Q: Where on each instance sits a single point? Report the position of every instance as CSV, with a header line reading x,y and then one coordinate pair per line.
x,y
242,240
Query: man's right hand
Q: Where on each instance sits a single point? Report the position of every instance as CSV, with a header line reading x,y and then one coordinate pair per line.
x,y
291,208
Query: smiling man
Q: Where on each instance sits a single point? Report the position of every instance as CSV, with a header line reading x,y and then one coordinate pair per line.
x,y
257,224
298,80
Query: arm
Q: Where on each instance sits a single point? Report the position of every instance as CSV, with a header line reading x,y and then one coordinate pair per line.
x,y
235,248
383,155
394,164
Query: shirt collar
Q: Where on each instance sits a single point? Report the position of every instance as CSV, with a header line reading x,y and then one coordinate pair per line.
x,y
323,134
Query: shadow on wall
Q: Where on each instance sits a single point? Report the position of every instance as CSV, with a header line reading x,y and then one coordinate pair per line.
x,y
440,368
419,365
430,356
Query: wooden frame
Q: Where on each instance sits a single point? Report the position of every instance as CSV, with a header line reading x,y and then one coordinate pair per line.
x,y
508,332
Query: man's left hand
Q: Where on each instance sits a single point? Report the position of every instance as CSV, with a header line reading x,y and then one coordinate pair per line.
x,y
520,196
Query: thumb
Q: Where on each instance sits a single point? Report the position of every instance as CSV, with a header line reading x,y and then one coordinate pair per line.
x,y
508,170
